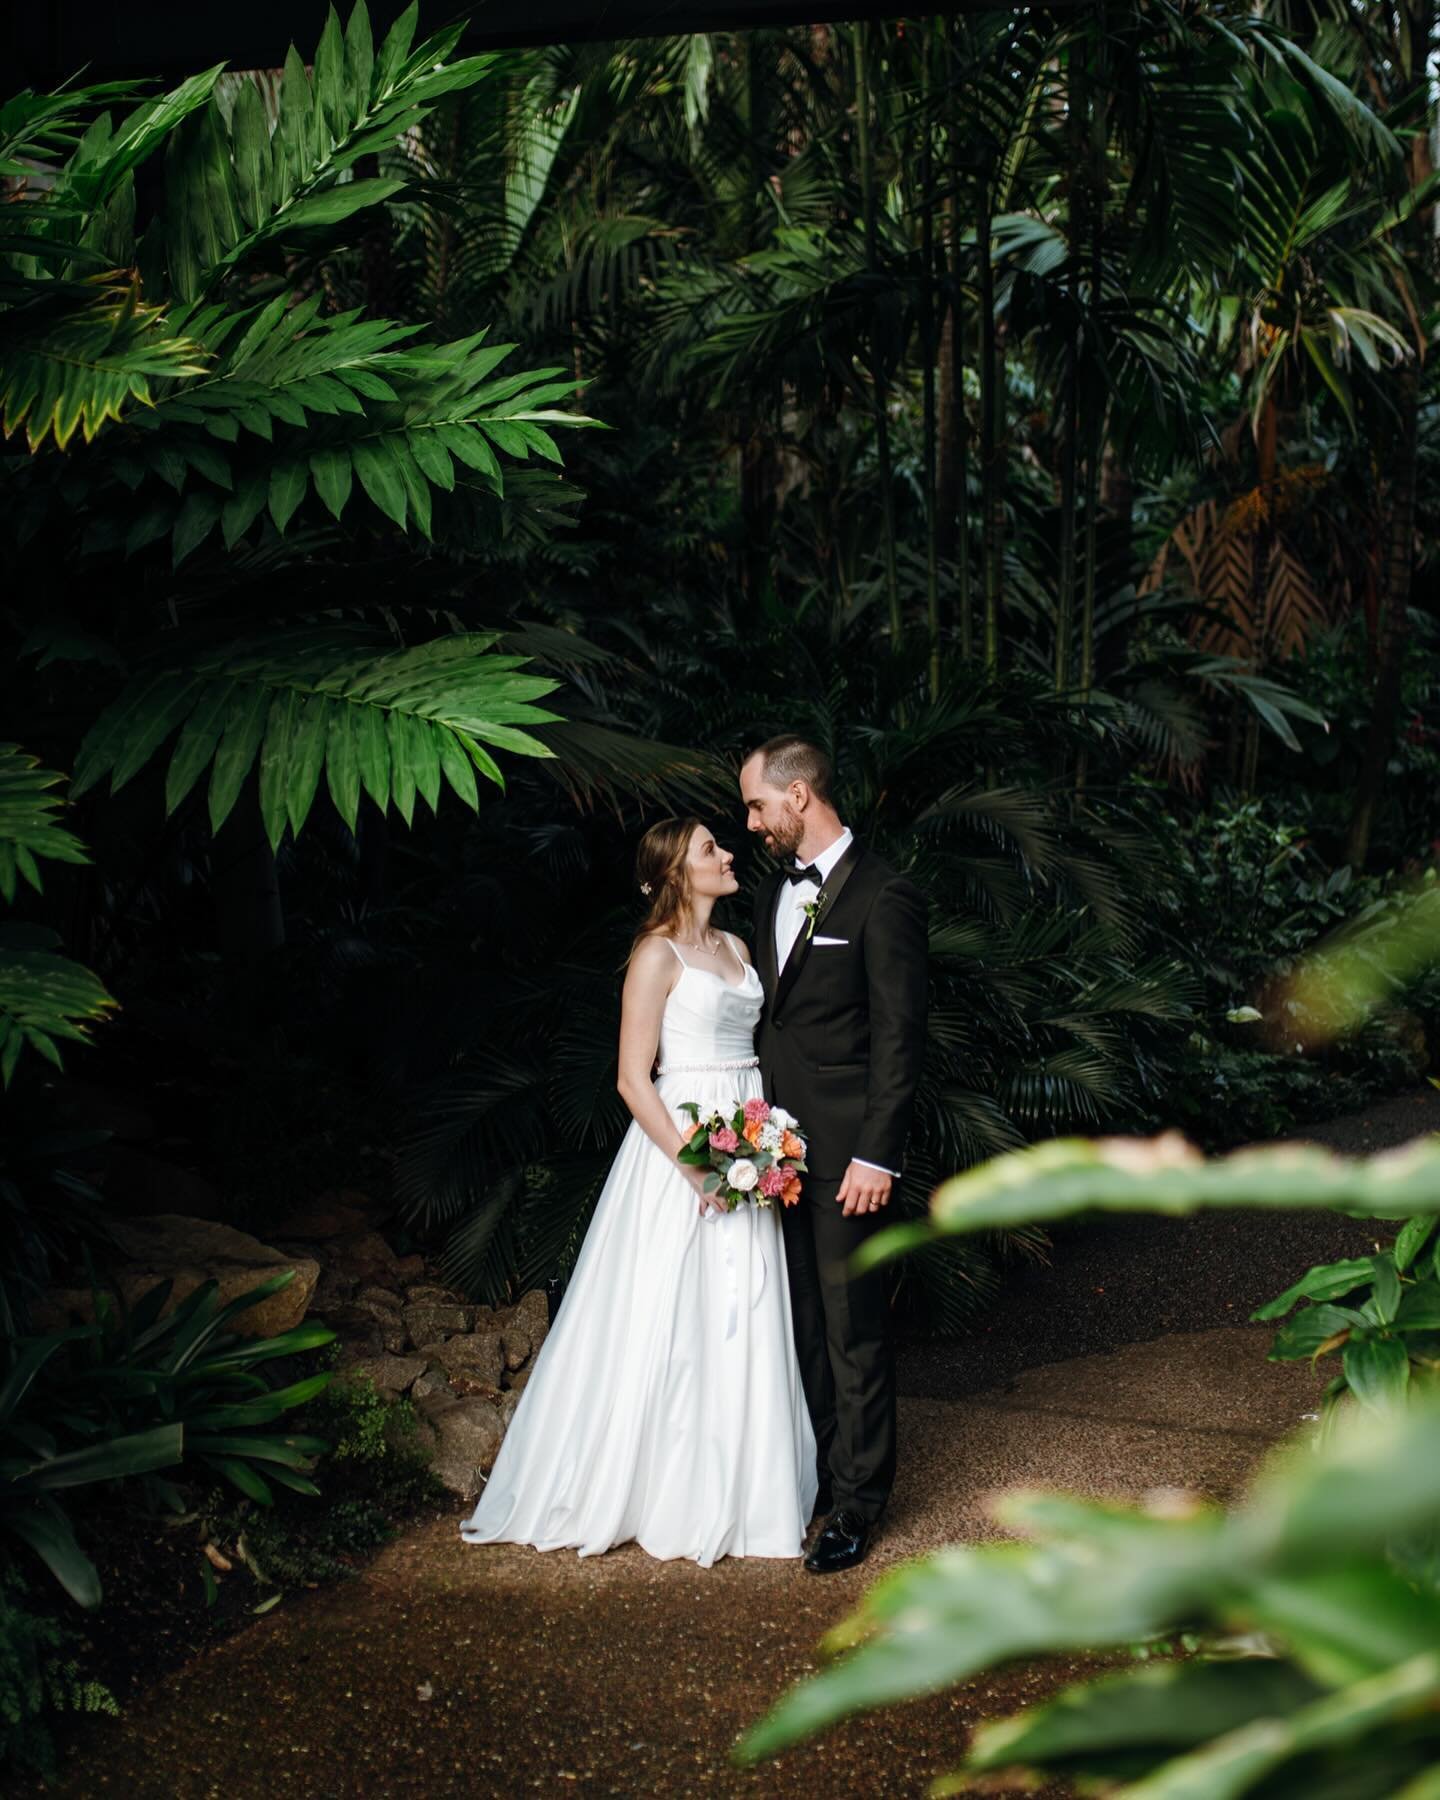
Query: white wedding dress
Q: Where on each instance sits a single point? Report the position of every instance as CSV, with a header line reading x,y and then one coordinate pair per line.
x,y
666,1404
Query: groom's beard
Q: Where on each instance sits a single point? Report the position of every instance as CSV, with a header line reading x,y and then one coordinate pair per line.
x,y
784,840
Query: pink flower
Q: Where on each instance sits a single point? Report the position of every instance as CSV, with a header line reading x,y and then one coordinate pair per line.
x,y
757,1109
724,1139
772,1183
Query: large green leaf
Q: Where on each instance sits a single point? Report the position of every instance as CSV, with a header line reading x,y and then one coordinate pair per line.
x,y
71,363
29,825
1066,1176
44,997
313,701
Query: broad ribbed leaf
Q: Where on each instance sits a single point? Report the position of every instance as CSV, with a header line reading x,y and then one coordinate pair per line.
x,y
244,729
393,722
44,997
307,758
381,479
29,823
342,769
276,761
331,469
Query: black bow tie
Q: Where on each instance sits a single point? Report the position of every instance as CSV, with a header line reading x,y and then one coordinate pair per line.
x,y
809,873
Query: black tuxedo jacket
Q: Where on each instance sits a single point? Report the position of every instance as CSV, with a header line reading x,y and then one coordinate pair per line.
x,y
843,1032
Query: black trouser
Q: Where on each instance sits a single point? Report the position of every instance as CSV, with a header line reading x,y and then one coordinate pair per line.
x,y
842,1338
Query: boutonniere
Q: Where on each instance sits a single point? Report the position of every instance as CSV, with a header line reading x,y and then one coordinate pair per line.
x,y
812,912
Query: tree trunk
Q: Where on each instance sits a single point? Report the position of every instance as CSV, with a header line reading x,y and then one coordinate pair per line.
x,y
1399,562
991,405
1418,239
927,351
878,381
954,427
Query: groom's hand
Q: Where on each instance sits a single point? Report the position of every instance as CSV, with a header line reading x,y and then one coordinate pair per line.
x,y
864,1189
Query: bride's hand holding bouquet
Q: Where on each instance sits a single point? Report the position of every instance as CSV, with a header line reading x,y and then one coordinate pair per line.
x,y
752,1155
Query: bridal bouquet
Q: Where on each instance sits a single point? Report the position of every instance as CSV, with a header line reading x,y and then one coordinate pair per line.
x,y
754,1153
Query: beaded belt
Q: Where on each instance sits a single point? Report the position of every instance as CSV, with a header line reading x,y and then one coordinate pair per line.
x,y
738,1062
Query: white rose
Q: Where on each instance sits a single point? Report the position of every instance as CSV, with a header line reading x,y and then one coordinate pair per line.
x,y
779,1116
743,1174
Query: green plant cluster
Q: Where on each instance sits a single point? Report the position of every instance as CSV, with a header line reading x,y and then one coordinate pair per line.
x,y
133,1394
1312,1604
1380,1314
1247,894
42,1683
375,1474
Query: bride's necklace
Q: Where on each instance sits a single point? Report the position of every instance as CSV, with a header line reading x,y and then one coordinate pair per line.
x,y
703,949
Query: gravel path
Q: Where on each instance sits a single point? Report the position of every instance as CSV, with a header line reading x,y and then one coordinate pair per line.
x,y
446,1669
460,1670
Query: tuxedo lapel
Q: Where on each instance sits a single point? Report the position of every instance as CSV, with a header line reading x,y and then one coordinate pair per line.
x,y
800,950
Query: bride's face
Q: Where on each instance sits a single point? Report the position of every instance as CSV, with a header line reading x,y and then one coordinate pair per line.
x,y
709,868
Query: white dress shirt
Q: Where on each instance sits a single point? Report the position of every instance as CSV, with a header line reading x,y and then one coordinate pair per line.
x,y
790,917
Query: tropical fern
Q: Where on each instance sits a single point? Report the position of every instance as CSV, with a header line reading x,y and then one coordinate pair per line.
x,y
29,825
42,996
392,724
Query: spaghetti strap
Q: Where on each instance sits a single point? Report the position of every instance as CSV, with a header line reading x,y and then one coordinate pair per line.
x,y
676,948
729,937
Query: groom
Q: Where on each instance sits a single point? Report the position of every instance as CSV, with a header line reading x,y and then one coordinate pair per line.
x,y
840,943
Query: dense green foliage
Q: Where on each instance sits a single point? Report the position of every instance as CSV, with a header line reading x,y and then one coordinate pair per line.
x,y
1027,405
1312,1604
1033,406
134,1393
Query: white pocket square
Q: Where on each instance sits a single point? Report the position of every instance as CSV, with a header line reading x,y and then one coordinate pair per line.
x,y
821,942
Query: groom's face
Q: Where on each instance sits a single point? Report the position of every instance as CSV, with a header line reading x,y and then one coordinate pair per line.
x,y
770,812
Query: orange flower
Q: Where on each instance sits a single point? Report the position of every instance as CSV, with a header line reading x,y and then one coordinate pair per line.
x,y
790,1194
753,1128
790,1145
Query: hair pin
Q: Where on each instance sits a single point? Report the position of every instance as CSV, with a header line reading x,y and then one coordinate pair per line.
x,y
645,888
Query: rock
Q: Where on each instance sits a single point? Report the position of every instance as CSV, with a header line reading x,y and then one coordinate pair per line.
x,y
380,1296
390,1374
162,1246
430,1293
356,1345
516,1384
409,1268
427,1405
329,1215
364,1318
332,1289
515,1339
432,1324
481,1353
364,1254
534,1309
508,1401
469,1434
523,1327
432,1383
474,1382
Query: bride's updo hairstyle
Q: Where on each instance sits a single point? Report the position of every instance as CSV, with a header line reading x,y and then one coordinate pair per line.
x,y
660,875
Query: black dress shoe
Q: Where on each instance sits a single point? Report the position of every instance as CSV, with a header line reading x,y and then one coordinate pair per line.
x,y
840,1545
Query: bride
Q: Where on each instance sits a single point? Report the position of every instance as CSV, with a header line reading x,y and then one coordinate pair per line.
x,y
666,1404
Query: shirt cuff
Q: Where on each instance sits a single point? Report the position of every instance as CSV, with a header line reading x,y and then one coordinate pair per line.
x,y
880,1166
